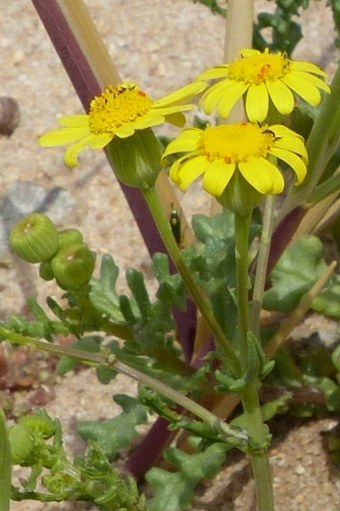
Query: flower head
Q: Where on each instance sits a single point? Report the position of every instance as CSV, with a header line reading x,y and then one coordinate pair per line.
x,y
118,112
220,152
262,76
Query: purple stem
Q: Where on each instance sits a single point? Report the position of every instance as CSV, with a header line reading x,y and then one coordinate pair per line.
x,y
283,234
147,453
87,86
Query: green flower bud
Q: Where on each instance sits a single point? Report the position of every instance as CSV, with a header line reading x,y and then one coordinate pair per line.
x,y
40,425
70,237
22,445
45,271
136,160
34,238
239,196
73,266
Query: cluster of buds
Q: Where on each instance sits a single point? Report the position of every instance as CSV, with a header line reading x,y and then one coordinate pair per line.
x,y
62,255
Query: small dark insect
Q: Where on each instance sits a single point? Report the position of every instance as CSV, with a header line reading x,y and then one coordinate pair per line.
x,y
175,224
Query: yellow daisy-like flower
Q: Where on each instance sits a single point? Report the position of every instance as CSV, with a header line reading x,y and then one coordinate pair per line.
x,y
118,112
218,152
262,76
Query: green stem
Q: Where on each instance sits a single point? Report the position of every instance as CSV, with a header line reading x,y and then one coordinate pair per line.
x,y
242,224
257,431
100,359
5,465
258,452
203,304
261,268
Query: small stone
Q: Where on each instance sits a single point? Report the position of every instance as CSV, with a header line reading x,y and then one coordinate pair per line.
x,y
9,115
300,470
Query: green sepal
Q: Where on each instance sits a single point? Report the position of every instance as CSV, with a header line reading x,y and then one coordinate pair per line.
x,y
136,160
239,196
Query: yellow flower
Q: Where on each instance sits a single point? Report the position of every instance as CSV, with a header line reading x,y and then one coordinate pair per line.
x,y
219,152
118,112
262,76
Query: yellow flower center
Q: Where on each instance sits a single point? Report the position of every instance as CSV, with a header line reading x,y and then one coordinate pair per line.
x,y
256,69
235,143
116,106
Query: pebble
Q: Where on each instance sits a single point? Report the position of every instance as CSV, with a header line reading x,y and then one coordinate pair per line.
x,y
300,470
9,115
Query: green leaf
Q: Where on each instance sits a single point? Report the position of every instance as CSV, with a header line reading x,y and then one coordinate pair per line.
x,y
328,301
5,465
174,491
103,290
171,287
115,434
294,275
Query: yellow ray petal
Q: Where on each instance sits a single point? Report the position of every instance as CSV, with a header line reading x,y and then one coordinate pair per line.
x,y
262,175
171,109
282,131
100,141
307,91
257,103
176,119
214,72
281,96
125,130
292,143
315,81
249,52
152,118
231,94
72,152
190,169
181,95
294,161
308,67
63,136
213,95
74,120
188,140
217,177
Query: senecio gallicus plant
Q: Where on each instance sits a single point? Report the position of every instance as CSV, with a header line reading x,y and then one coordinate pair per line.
x,y
240,164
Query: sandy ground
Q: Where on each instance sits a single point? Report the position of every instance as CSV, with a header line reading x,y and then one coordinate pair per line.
x,y
161,45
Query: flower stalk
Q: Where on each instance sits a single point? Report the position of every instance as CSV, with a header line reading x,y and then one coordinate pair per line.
x,y
262,264
257,430
203,305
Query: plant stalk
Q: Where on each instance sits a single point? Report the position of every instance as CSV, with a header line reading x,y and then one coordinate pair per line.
x,y
202,303
101,359
262,264
257,430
